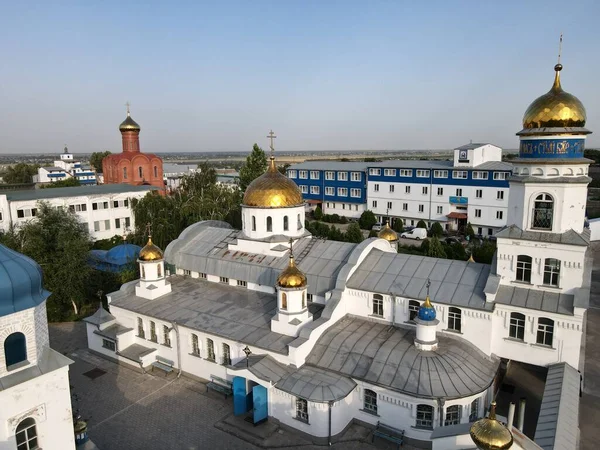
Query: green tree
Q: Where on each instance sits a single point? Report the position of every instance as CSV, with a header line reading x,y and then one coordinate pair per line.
x,y
335,234
469,231
67,182
398,225
96,160
421,224
437,230
484,253
433,247
318,213
372,233
255,166
163,213
20,173
455,251
367,220
354,233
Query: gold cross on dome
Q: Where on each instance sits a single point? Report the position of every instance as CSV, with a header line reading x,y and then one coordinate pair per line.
x,y
128,105
291,242
149,229
427,285
271,136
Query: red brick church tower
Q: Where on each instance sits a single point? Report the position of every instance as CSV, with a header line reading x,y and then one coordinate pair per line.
x,y
132,166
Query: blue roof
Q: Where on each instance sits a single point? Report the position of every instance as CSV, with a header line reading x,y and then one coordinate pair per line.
x,y
115,259
20,282
426,313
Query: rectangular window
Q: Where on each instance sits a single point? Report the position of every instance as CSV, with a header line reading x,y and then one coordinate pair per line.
x,y
187,272
109,345
551,271
422,173
440,210
479,175
303,174
304,189
478,213
375,172
302,410
107,224
314,190
376,187
453,414
524,268
202,275
329,191
166,336
374,203
459,192
545,331
389,172
342,176
500,175
440,174
421,208
404,206
407,189
242,283
479,193
424,416
460,174
117,223
127,222
389,205
500,195
96,225
329,175
499,215
440,191
355,176
454,319
391,188
314,174
224,280
406,172
292,174
355,193
425,190
378,305
342,192
517,326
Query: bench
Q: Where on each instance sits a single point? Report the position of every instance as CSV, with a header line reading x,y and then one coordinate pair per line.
x,y
163,364
389,433
220,385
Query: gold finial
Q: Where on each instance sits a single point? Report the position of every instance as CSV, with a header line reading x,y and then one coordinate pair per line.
x,y
492,414
149,229
558,67
127,104
291,242
272,136
471,260
427,302
488,433
560,48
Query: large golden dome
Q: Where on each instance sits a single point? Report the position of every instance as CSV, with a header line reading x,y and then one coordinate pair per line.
x,y
291,277
272,190
555,109
387,233
489,434
129,124
150,252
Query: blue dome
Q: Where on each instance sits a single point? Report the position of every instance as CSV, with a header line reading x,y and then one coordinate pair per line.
x,y
426,311
123,254
20,282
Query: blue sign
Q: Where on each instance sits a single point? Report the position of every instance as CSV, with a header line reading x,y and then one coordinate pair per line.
x,y
459,200
552,148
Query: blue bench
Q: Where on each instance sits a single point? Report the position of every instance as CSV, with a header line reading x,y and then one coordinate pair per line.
x,y
389,433
220,385
163,364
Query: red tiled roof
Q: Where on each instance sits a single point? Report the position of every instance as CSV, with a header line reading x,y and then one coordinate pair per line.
x,y
456,215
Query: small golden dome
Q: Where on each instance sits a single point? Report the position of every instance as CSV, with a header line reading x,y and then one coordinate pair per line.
x,y
129,124
387,233
489,434
291,277
150,252
555,109
273,190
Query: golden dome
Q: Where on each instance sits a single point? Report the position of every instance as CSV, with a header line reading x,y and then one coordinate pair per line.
x,y
150,252
555,109
387,233
291,277
489,434
129,124
272,190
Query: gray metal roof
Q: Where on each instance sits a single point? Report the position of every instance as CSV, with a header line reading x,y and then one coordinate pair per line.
x,y
386,356
203,248
554,180
53,168
458,283
135,352
553,302
414,164
49,361
234,313
264,367
570,237
472,145
76,191
113,331
494,165
100,317
331,165
558,421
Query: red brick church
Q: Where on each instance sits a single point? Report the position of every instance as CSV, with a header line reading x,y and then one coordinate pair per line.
x,y
132,166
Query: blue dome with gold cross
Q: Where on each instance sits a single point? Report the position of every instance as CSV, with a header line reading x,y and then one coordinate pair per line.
x,y
426,311
20,282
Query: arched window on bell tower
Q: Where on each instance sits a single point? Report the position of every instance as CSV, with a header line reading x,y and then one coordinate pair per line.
x,y
140,172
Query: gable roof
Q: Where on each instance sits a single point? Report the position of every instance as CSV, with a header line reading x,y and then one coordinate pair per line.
x,y
570,237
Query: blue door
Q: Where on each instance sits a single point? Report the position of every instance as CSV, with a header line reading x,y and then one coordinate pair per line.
x,y
239,396
259,395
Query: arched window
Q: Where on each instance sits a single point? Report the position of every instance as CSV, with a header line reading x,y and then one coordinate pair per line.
x,y
283,301
524,268
26,435
413,309
253,223
155,172
370,404
143,271
124,172
377,305
141,172
303,300
299,223
269,223
551,271
452,415
302,409
517,326
195,345
15,350
545,331
474,410
454,319
210,350
542,212
159,270
153,336
424,416
226,355
285,223
141,328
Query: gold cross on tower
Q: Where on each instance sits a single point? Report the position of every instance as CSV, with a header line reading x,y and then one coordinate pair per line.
x,y
272,136
128,105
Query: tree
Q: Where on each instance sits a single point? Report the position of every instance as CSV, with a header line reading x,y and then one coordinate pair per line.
x,y
283,168
469,231
20,173
255,166
373,233
398,225
354,233
484,253
367,220
96,160
318,213
163,213
421,224
67,182
433,247
437,230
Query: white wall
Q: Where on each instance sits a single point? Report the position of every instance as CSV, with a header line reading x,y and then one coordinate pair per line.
x,y
277,216
595,229
352,210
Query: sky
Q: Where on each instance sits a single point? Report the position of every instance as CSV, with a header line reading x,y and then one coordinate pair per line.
x,y
324,75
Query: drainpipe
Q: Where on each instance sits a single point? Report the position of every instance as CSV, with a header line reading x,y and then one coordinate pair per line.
x,y
329,434
521,420
176,328
511,416
393,308
441,404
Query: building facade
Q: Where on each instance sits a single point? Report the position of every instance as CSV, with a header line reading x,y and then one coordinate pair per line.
x,y
66,168
105,209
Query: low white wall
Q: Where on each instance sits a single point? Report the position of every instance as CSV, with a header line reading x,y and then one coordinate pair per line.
x,y
595,229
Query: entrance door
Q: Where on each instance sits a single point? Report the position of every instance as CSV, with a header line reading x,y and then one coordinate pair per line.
x,y
239,396
259,395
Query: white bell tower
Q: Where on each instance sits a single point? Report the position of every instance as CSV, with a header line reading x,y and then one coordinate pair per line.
x,y
153,283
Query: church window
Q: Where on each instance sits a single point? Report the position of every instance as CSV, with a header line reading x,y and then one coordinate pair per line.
x,y
302,410
452,415
253,223
377,305
159,270
141,328
143,272
109,345
26,435
474,410
309,297
454,319
413,309
370,404
551,271
195,345
285,223
140,172
155,172
226,355
524,268
124,173
269,223
15,349
545,331
517,326
283,301
210,350
153,336
299,222
424,416
166,334
542,212
303,300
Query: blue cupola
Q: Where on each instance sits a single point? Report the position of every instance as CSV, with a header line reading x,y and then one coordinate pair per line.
x,y
20,282
426,310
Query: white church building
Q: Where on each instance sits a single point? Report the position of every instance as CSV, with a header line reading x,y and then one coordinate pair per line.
x,y
317,334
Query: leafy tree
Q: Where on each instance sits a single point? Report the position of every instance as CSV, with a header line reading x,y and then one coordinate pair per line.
x,y
67,182
20,173
96,160
437,230
163,213
398,225
484,253
455,251
318,213
433,247
255,166
367,220
335,234
354,233
469,231
372,233
421,224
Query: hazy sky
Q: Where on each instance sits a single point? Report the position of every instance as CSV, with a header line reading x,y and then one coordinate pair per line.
x,y
333,75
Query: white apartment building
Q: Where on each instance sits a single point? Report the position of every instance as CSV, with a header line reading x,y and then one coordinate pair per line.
x,y
106,209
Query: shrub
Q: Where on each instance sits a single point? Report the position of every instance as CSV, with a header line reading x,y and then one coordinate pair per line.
x,y
469,231
367,220
372,233
421,224
398,225
344,220
318,213
334,218
437,230
354,233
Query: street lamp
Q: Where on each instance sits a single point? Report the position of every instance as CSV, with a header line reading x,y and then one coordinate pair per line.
x,y
247,351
